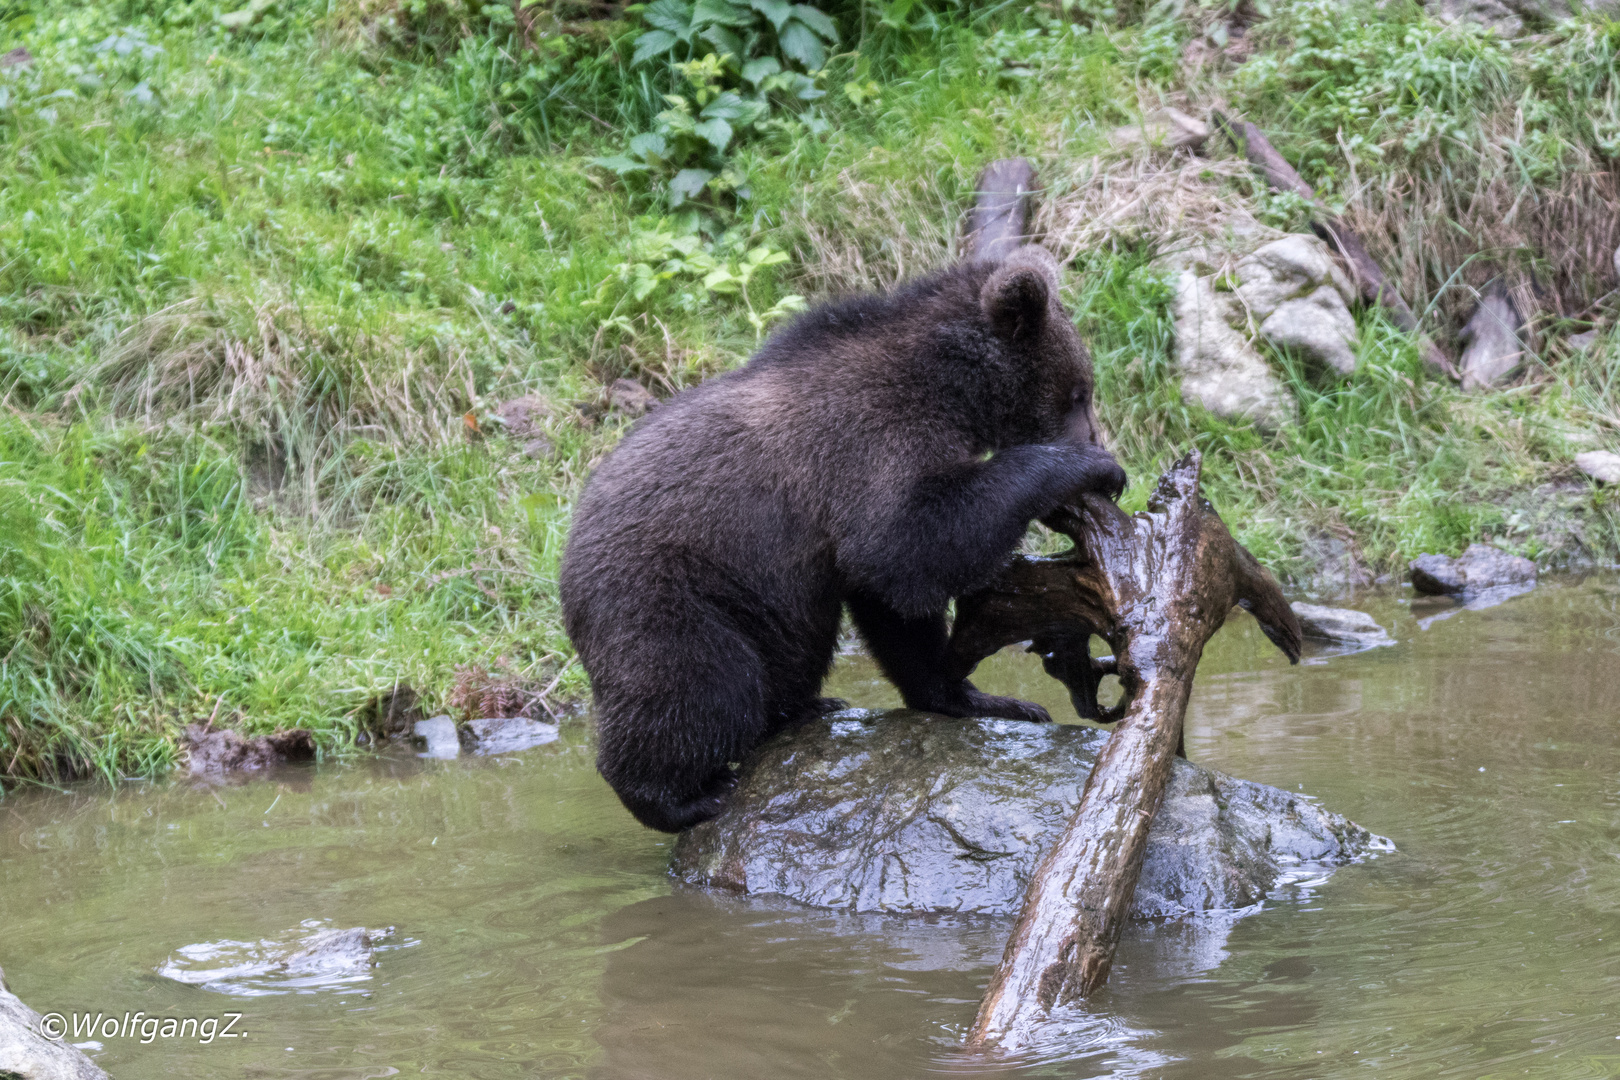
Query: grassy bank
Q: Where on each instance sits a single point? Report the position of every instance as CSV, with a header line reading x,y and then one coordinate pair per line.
x,y
266,275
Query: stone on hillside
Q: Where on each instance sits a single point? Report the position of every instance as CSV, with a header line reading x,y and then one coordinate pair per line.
x,y
18,58
1169,129
1341,626
522,416
212,752
1318,327
1492,348
1478,569
908,812
1219,369
26,1054
1287,269
1294,288
630,398
1601,465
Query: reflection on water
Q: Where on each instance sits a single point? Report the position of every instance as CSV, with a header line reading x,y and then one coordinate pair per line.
x,y
547,941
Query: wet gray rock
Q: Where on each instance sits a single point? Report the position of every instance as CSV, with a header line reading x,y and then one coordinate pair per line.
x,y
25,1054
1478,569
437,737
1341,626
908,812
1601,465
306,959
506,734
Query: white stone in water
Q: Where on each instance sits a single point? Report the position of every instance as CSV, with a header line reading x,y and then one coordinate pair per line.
x,y
1601,465
1341,625
438,734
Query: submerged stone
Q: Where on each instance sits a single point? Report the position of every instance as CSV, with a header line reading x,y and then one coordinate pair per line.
x,y
908,812
1340,626
507,734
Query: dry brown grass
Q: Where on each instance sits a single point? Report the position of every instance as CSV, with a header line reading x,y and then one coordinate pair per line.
x,y
273,373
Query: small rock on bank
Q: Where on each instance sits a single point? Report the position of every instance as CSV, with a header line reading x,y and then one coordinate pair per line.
x,y
1341,626
27,1055
1601,465
1479,568
908,812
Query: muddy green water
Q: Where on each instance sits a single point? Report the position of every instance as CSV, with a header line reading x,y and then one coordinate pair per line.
x,y
536,934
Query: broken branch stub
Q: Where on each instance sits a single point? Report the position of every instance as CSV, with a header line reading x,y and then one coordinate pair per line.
x,y
1156,586
999,224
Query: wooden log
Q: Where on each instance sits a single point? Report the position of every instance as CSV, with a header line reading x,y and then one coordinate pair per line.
x,y
999,224
1374,286
1156,586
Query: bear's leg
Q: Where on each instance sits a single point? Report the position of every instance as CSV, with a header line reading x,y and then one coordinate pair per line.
x,y
912,653
669,723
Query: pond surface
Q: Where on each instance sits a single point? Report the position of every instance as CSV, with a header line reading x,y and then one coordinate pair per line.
x,y
535,933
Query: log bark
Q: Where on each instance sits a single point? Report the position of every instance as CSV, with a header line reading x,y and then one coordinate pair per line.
x,y
1374,286
999,224
1156,586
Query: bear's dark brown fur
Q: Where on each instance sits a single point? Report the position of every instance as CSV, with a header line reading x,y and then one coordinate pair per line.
x,y
884,452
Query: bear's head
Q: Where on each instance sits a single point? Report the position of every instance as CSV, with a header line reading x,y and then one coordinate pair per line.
x,y
1052,365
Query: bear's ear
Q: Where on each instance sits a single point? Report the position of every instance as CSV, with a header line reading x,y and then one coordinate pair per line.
x,y
1017,297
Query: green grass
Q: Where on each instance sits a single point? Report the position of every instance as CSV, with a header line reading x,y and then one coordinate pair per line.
x,y
262,290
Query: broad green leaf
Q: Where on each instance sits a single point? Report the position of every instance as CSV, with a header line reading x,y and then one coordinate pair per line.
x,y
778,11
649,144
800,43
724,40
728,106
652,43
817,20
673,16
721,281
761,67
716,131
619,164
688,184
723,12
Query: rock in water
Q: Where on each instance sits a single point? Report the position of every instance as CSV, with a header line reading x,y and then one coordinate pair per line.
x,y
437,737
28,1055
1341,626
508,734
1480,568
907,812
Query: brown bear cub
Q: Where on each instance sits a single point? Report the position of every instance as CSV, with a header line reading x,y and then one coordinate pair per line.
x,y
884,452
